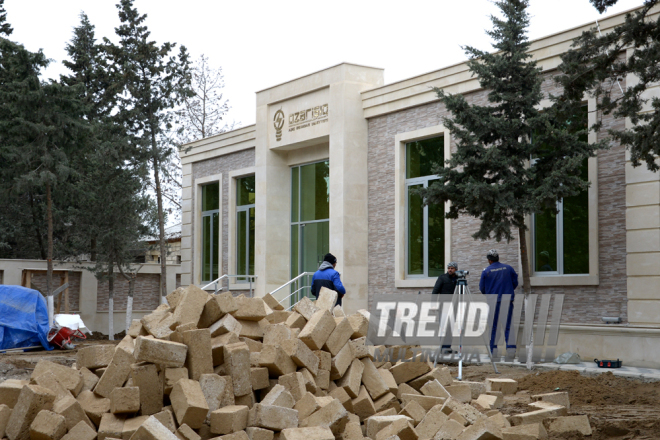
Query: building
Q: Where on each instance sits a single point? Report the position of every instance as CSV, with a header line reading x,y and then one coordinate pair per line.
x,y
328,167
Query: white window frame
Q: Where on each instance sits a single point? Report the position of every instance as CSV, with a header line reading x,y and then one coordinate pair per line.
x,y
232,225
216,178
401,205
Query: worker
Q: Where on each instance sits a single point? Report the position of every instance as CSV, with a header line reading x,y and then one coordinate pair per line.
x,y
327,276
446,284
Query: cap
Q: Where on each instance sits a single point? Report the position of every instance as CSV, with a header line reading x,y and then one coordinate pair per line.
x,y
493,255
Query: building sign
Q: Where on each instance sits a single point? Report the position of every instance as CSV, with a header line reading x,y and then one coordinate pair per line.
x,y
299,120
278,122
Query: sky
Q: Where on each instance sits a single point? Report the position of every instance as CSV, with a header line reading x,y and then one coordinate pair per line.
x,y
262,43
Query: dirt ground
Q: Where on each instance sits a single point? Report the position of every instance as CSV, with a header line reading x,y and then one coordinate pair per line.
x,y
618,408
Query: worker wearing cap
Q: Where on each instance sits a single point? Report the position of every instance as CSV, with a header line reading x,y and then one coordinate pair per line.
x,y
327,276
446,284
499,279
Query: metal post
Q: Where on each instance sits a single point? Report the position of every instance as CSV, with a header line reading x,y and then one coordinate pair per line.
x,y
250,287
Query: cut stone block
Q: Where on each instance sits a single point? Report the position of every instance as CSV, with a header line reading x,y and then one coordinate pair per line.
x,y
10,390
389,382
431,423
338,312
276,334
89,379
341,395
136,329
259,378
401,429
251,309
323,379
252,329
31,400
146,378
238,360
499,419
478,388
306,406
327,299
483,429
49,381
325,359
462,393
309,379
5,412
306,308
125,400
185,432
404,388
158,324
340,363
332,415
294,383
47,426
458,418
213,387
560,398
117,372
301,354
81,431
405,371
226,324
387,400
415,411
272,302
69,378
339,337
276,360
434,388
199,358
441,374
255,433
174,297
228,397
153,429
564,425
229,419
538,416
352,379
172,375
426,402
167,354
469,413
217,346
359,324
94,406
361,349
273,417
450,430
111,426
131,426
166,417
318,329
190,306
295,320
95,356
487,401
314,432
278,316
375,424
279,396
506,386
352,431
534,431
216,307
189,403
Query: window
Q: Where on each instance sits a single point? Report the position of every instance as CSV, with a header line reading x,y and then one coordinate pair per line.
x,y
245,200
561,235
425,225
210,231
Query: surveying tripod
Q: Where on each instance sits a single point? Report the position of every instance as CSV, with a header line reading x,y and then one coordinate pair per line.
x,y
463,298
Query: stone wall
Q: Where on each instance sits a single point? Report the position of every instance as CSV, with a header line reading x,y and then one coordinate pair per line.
x,y
38,282
145,297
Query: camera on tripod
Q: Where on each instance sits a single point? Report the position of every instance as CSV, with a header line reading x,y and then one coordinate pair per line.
x,y
462,273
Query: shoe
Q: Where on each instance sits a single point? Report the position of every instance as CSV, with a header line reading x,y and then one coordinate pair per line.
x,y
447,351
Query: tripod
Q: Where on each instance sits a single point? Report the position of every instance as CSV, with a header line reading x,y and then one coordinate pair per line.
x,y
463,298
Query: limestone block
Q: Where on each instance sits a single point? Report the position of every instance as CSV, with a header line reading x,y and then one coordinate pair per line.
x,y
327,299
276,360
387,400
125,400
375,424
156,351
359,324
111,426
309,379
318,329
166,417
213,387
294,383
415,411
431,423
5,412
199,358
117,372
352,379
251,309
49,381
185,432
217,346
301,354
240,435
338,312
458,418
172,375
69,378
537,416
279,396
340,363
435,388
295,320
228,397
352,431
31,400
441,374
323,379
10,390
190,306
499,419
153,429
174,297
483,429
401,429
389,382
341,395
255,433
462,393
229,419
278,316
252,329
387,412
146,378
560,398
95,356
533,431
238,362
158,324
325,359
259,378
449,430
506,386
224,325
361,349
131,426
564,425
339,337
478,388
404,388
248,400
487,401
405,371
332,415
272,302
47,426
253,345
273,417
314,432
81,431
306,308
189,403
136,329
469,413
306,406
94,406
89,379
426,402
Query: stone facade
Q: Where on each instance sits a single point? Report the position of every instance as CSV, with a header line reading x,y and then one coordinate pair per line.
x,y
146,296
39,282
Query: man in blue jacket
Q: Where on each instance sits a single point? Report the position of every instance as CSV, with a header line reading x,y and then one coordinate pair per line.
x,y
327,276
499,279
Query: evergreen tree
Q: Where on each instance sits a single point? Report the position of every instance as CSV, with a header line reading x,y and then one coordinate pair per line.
x,y
489,176
156,82
596,64
5,28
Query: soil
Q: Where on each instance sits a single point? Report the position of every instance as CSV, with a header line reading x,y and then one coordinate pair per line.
x,y
618,408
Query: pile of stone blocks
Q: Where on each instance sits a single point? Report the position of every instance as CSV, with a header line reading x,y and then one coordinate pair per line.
x,y
209,366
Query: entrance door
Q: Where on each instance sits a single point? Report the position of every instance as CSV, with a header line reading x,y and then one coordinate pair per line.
x,y
310,214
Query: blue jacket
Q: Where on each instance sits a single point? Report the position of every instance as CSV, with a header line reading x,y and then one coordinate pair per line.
x,y
498,279
328,277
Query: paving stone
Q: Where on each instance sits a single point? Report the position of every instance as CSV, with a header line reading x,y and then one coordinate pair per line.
x,y
560,398
185,432
95,356
340,363
339,337
449,430
229,419
405,371
47,426
226,324
273,417
69,378
401,429
31,400
94,406
295,320
189,403
81,431
131,425
217,346
435,388
326,300
314,432
252,329
255,433
111,426
341,395
279,396
276,360
506,386
564,425
125,400
251,309
533,431
190,306
306,308
146,378
332,415
375,424
352,379
153,429
301,354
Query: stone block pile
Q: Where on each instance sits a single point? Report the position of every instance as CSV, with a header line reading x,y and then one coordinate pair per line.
x,y
208,366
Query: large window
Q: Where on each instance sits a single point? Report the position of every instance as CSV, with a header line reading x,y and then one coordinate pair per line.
x,y
425,225
210,231
561,235
245,226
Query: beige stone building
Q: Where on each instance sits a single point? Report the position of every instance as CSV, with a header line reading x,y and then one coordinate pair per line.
x,y
329,165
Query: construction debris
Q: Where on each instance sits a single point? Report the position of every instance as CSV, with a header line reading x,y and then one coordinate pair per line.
x,y
216,367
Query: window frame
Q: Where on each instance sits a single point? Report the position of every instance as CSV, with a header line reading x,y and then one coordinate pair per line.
x,y
246,210
232,217
424,181
216,178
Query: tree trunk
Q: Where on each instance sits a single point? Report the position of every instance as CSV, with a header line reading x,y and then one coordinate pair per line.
x,y
129,301
49,260
526,290
161,220
92,253
111,305
40,241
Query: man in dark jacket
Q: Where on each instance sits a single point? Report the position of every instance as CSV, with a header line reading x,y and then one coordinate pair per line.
x,y
446,284
327,276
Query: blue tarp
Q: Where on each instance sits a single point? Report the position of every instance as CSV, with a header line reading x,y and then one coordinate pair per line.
x,y
23,318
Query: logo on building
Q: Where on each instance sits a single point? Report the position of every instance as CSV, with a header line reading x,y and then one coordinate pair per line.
x,y
278,122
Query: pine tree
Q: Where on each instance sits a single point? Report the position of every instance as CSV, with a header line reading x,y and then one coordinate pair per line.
x,y
156,82
5,28
489,176
595,65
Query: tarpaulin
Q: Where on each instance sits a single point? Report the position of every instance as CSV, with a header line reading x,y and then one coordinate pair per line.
x,y
23,318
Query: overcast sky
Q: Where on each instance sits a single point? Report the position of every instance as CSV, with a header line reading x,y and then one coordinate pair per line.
x,y
263,43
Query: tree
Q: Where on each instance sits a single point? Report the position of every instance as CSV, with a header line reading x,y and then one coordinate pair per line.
x,y
156,82
5,28
595,65
489,176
